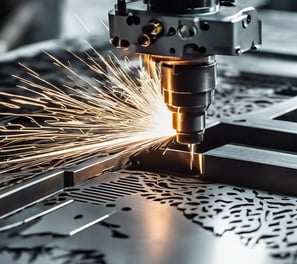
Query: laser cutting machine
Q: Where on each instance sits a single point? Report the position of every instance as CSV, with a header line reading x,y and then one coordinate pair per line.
x,y
150,207
184,37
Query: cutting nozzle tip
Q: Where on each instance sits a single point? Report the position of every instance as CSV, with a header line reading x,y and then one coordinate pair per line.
x,y
190,138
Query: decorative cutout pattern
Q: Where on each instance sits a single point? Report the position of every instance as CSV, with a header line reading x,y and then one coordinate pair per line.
x,y
108,192
257,217
238,96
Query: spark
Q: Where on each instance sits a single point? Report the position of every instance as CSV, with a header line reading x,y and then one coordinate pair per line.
x,y
104,25
192,149
82,23
120,110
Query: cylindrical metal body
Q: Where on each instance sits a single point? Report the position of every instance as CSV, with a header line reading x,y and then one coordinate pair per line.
x,y
188,89
188,85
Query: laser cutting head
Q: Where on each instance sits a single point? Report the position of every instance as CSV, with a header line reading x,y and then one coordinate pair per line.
x,y
184,36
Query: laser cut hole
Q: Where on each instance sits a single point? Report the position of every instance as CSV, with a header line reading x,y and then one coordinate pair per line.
x,y
110,205
120,235
77,217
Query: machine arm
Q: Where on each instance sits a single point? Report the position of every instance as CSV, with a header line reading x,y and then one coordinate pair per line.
x,y
184,36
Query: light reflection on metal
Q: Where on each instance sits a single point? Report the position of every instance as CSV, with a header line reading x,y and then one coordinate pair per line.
x,y
246,255
192,151
157,226
200,166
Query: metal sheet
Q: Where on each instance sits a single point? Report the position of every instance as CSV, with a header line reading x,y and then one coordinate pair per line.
x,y
70,219
170,219
149,232
28,215
252,167
94,167
30,192
240,165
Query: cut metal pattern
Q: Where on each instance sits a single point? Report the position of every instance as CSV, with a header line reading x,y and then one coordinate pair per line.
x,y
43,255
108,191
238,96
258,218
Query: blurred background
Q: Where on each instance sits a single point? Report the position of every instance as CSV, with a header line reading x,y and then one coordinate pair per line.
x,y
28,21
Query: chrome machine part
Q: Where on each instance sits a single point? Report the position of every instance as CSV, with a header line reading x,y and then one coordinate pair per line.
x,y
188,89
184,36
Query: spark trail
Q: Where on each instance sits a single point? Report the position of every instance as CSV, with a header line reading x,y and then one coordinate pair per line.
x,y
121,110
